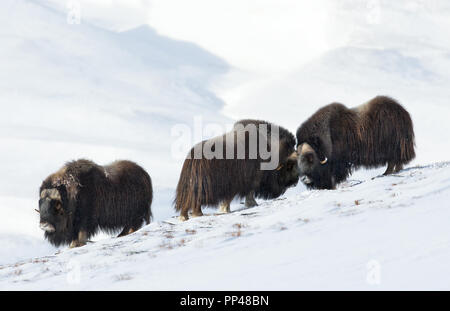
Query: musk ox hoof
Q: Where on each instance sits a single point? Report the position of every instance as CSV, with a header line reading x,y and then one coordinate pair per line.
x,y
250,200
224,208
75,244
196,215
183,218
251,203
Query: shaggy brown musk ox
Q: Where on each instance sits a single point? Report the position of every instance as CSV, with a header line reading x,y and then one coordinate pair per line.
x,y
336,140
235,171
83,197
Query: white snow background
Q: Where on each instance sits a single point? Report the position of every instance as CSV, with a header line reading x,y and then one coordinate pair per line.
x,y
113,87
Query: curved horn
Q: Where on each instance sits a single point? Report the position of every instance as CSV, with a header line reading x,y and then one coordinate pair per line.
x,y
293,156
324,161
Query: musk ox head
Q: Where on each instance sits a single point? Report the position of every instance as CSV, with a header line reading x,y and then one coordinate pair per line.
x,y
274,183
54,216
314,169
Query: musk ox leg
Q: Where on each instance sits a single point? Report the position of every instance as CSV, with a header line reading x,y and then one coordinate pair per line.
x,y
333,183
224,207
250,200
398,168
126,231
183,215
197,212
81,241
390,169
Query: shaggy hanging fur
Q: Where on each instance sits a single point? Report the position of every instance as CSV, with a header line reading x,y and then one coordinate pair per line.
x,y
377,133
209,182
84,197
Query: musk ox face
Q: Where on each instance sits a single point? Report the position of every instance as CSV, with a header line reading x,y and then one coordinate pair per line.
x,y
53,218
313,171
289,173
274,183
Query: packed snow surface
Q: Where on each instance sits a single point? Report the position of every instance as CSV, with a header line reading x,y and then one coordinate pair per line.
x,y
385,233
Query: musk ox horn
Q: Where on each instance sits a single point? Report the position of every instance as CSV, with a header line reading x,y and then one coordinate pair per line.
x,y
324,161
293,156
51,193
37,211
305,148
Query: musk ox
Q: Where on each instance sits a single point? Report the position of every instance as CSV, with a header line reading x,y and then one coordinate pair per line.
x,y
83,197
234,169
336,140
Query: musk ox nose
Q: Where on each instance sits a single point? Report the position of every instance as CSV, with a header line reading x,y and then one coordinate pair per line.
x,y
306,180
47,227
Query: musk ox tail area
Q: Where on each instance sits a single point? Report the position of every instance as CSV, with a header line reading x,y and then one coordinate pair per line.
x,y
388,134
192,186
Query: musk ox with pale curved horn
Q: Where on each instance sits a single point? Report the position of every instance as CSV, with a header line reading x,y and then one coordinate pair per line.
x,y
231,168
336,140
82,198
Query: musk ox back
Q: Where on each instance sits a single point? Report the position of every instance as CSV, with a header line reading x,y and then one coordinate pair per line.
x,y
83,197
232,169
336,140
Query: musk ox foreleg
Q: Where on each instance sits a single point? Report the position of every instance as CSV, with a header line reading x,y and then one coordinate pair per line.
x,y
250,200
81,241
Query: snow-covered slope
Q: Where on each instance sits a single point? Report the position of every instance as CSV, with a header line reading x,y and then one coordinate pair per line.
x,y
76,90
383,233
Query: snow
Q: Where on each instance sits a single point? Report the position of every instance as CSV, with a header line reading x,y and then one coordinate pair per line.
x,y
309,240
72,91
116,86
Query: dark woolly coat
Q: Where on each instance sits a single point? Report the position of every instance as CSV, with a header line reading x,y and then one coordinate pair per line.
x,y
377,133
109,198
208,182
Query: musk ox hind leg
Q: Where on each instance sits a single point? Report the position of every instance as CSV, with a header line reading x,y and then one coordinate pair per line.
x,y
390,169
250,200
124,232
197,212
129,230
398,168
81,241
184,215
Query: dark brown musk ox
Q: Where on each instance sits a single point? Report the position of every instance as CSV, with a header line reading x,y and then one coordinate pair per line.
x,y
82,198
234,169
336,140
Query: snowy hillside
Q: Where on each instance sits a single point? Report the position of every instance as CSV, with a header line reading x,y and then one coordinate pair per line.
x,y
116,85
381,234
76,90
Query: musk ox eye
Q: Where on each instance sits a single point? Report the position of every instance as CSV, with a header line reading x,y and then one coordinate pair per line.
x,y
290,166
309,158
58,208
